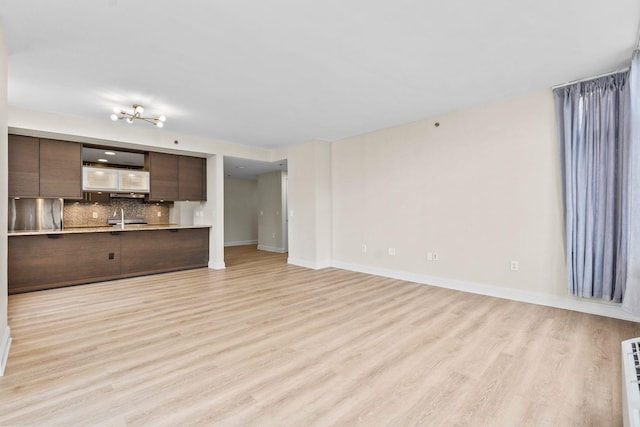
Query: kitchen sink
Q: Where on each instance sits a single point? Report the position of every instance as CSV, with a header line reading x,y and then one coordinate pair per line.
x,y
127,222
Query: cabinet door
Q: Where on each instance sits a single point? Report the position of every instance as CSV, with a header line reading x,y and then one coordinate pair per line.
x,y
24,166
136,181
99,179
163,176
192,178
60,169
155,251
42,262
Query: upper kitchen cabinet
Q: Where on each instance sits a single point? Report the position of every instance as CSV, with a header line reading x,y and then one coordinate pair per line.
x,y
44,168
114,180
192,178
163,176
60,169
136,181
177,178
24,166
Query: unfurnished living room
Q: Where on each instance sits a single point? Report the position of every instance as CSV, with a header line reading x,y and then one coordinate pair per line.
x,y
297,213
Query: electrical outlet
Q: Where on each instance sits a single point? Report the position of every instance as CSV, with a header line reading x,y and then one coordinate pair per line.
x,y
364,248
159,213
95,215
515,265
392,251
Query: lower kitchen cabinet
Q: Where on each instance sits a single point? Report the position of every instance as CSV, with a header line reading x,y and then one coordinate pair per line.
x,y
56,260
155,251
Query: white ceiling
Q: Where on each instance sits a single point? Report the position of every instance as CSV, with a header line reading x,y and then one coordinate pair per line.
x,y
238,168
280,72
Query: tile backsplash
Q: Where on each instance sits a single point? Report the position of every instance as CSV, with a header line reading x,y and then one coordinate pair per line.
x,y
81,214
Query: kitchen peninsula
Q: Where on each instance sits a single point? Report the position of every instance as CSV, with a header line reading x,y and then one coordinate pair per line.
x,y
50,259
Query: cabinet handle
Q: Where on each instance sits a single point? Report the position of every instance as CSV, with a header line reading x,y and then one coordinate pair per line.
x,y
173,231
54,236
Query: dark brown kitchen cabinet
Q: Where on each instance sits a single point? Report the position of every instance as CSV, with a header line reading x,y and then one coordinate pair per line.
x,y
177,178
24,166
55,260
192,178
155,251
60,169
44,168
163,176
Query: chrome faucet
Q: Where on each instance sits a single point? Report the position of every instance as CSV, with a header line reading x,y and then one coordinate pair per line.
x,y
122,218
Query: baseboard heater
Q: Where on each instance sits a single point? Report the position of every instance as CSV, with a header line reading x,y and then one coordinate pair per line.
x,y
631,382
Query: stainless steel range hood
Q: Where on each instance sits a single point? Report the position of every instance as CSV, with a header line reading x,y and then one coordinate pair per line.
x,y
127,195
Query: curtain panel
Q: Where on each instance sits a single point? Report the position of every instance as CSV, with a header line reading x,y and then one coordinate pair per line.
x,y
595,161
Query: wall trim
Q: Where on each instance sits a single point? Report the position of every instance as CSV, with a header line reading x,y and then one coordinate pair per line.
x,y
271,249
5,344
308,264
323,264
568,303
241,243
216,265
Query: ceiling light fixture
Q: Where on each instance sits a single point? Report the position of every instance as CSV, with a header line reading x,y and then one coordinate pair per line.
x,y
120,114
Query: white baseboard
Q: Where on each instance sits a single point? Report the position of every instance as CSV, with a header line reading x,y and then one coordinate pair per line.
x,y
271,249
241,243
568,303
216,265
5,344
323,264
308,264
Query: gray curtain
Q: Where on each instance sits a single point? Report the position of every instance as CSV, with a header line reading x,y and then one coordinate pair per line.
x,y
631,300
594,145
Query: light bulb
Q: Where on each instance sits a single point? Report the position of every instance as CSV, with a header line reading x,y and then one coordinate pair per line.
x,y
162,118
138,109
159,124
116,110
129,120
114,117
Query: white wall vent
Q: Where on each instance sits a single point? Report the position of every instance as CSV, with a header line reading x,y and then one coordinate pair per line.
x,y
631,382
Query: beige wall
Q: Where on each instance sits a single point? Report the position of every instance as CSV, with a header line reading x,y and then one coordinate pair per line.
x,y
213,210
270,215
4,327
481,189
240,211
309,200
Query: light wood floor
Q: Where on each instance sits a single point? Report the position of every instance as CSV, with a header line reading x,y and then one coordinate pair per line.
x,y
264,343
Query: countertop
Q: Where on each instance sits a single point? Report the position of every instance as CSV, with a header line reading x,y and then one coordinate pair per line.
x,y
106,229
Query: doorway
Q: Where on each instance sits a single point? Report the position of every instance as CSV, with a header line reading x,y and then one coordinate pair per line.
x,y
255,205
